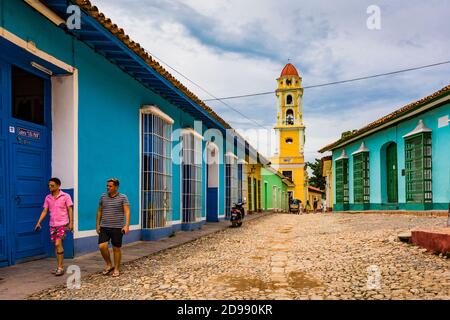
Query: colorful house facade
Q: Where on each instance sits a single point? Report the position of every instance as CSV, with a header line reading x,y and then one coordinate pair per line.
x,y
275,186
315,193
290,131
398,162
88,104
327,172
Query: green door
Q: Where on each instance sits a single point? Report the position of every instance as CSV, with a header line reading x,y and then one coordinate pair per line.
x,y
391,171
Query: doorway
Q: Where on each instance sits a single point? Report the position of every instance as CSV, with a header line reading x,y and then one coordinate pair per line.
x,y
212,200
25,155
391,173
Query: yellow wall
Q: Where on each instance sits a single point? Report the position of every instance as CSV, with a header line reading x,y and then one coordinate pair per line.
x,y
254,172
327,172
314,194
290,156
290,150
298,176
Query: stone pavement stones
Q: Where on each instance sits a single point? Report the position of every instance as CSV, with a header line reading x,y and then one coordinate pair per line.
x,y
324,256
22,280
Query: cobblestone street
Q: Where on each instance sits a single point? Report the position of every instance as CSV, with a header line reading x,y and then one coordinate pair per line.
x,y
283,256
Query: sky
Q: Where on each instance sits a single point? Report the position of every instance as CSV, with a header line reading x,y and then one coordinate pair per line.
x,y
236,47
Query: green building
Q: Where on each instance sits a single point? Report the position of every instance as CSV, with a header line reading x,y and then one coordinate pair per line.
x,y
274,190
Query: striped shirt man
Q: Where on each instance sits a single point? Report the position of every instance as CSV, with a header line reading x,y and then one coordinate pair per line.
x,y
113,214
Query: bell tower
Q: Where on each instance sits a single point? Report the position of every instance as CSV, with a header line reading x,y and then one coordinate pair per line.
x,y
290,131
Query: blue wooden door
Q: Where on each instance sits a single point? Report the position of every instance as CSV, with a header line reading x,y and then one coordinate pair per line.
x,y
29,179
4,247
29,146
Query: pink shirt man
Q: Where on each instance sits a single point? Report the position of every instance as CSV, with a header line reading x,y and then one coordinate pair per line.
x,y
59,215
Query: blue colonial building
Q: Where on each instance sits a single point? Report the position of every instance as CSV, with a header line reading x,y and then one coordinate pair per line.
x,y
398,162
87,104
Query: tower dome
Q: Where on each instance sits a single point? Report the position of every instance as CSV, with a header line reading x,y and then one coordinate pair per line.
x,y
289,70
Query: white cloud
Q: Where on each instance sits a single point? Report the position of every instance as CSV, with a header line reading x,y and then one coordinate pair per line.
x,y
236,47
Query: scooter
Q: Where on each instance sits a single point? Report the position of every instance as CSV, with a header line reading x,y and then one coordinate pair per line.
x,y
237,214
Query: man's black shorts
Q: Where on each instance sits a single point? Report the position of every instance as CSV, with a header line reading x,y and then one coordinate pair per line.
x,y
113,234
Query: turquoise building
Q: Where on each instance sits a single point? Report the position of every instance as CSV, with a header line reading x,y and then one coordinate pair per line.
x,y
398,162
83,102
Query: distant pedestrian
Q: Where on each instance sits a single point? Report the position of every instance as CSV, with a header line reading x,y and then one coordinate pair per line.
x,y
113,221
315,203
324,206
308,206
300,207
60,205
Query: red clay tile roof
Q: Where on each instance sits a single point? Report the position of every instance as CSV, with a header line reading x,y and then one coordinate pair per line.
x,y
315,189
392,116
289,70
138,50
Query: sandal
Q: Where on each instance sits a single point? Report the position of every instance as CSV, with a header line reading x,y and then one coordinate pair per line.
x,y
105,272
59,272
116,274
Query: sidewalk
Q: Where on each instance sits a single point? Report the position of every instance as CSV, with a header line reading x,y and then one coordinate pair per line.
x,y
21,280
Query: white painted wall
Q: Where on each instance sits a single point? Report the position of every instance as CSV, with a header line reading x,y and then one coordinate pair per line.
x,y
213,166
63,130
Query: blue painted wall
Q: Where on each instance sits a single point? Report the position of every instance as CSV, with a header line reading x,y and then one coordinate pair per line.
x,y
108,118
376,143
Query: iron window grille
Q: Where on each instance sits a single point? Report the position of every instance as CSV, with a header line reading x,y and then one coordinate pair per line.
x,y
342,181
274,197
259,195
288,174
250,195
156,175
361,183
418,168
244,182
280,199
239,182
231,184
191,176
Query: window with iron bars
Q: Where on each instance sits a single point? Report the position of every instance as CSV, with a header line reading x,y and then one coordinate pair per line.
x,y
242,183
156,175
279,199
191,177
250,195
342,181
274,197
361,183
259,195
231,184
418,168
239,182
288,174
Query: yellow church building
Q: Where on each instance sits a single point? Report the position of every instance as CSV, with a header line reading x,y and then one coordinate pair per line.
x,y
290,131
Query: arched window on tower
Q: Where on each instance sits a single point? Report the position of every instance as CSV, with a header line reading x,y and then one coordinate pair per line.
x,y
290,117
288,99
